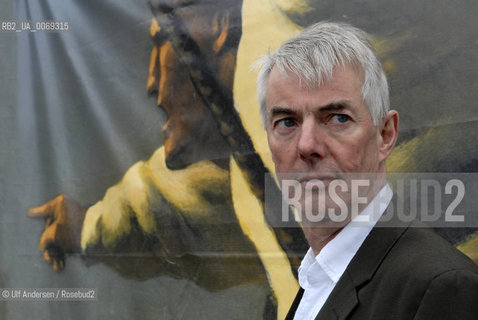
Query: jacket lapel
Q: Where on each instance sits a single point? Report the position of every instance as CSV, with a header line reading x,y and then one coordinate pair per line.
x,y
295,305
344,298
341,301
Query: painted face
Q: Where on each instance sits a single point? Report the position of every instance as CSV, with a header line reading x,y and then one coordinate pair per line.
x,y
191,133
321,134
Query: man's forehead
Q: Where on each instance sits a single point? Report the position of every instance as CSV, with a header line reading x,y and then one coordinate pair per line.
x,y
341,92
279,77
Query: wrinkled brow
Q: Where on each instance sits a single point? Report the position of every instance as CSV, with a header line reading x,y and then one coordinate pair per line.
x,y
276,111
334,106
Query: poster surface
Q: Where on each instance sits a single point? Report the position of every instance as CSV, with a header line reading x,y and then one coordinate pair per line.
x,y
132,149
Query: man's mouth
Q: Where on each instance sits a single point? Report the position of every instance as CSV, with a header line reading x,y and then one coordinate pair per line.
x,y
312,179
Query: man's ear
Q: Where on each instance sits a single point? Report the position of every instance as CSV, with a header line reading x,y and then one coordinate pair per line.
x,y
388,134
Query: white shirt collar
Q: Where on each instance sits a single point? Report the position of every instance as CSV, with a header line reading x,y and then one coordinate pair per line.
x,y
334,258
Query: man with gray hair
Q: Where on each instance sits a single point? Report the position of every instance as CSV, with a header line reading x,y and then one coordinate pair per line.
x,y
325,105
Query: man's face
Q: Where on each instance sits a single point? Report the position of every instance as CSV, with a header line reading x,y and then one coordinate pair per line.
x,y
321,133
190,132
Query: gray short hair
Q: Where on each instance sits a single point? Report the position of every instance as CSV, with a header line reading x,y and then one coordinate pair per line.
x,y
313,54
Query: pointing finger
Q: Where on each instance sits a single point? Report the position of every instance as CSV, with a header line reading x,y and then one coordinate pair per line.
x,y
46,256
46,209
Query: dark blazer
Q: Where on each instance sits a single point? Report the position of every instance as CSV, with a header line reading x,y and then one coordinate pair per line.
x,y
405,272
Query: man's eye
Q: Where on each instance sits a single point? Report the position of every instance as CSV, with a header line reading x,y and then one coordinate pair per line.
x,y
286,123
340,118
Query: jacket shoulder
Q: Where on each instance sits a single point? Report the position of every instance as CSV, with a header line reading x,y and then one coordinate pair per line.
x,y
421,251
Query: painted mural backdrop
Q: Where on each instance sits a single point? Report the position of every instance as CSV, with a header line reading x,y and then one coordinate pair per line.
x,y
133,139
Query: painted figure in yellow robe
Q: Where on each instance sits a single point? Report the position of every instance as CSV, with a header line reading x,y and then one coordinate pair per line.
x,y
188,212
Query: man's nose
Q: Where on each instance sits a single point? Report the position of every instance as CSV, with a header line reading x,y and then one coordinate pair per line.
x,y
311,145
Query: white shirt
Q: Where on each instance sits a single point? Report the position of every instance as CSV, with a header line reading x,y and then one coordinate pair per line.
x,y
319,275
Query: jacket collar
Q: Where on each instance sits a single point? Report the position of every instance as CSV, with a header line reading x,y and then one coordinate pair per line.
x,y
363,266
